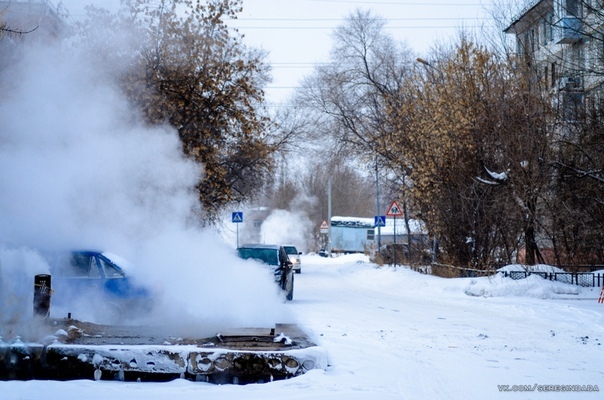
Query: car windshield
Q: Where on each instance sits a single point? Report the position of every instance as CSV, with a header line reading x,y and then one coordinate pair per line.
x,y
111,271
267,256
291,250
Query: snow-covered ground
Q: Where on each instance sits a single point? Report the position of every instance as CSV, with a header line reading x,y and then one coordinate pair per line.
x,y
397,334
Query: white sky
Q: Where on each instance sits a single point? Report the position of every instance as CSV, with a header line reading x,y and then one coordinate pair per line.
x,y
296,33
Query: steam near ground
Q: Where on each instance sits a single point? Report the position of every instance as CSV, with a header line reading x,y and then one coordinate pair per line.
x,y
79,171
287,227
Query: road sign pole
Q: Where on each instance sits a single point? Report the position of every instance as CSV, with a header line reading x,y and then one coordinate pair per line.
x,y
237,218
329,217
394,241
394,211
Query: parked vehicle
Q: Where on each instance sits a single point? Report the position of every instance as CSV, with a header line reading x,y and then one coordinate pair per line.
x,y
94,283
294,256
276,257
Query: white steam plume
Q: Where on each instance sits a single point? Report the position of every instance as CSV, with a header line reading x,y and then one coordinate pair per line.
x,y
289,227
77,170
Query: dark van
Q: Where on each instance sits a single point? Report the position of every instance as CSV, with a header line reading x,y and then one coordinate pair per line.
x,y
274,256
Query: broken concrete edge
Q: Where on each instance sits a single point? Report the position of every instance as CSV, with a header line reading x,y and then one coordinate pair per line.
x,y
155,363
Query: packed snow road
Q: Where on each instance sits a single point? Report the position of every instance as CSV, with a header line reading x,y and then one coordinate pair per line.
x,y
395,333
392,333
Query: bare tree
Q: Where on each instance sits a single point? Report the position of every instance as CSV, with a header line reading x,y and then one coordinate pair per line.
x,y
474,139
349,97
560,45
577,206
349,188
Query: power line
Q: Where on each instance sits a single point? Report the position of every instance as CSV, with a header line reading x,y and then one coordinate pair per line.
x,y
398,3
333,27
343,20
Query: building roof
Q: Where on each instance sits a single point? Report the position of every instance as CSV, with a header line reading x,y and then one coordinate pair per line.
x,y
533,12
416,226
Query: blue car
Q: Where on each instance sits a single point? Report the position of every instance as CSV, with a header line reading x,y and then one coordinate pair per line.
x,y
94,284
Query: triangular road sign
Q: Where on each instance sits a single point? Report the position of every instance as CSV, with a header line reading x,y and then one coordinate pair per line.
x,y
324,225
394,210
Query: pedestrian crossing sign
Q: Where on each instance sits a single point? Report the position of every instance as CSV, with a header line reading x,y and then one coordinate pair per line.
x,y
237,217
394,210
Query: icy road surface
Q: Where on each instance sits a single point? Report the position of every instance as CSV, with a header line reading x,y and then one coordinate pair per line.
x,y
397,334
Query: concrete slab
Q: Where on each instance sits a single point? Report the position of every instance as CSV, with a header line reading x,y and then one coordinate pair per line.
x,y
65,349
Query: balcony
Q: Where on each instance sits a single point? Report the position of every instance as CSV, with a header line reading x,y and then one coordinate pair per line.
x,y
570,82
569,30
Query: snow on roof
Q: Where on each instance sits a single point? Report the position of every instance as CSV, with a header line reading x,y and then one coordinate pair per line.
x,y
415,225
352,222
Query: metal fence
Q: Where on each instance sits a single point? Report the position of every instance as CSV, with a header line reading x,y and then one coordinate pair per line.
x,y
585,279
450,271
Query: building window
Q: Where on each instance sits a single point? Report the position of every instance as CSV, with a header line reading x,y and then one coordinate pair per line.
x,y
551,27
572,8
545,76
578,60
370,234
572,103
553,74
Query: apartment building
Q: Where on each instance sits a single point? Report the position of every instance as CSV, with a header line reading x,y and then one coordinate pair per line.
x,y
28,22
31,21
563,41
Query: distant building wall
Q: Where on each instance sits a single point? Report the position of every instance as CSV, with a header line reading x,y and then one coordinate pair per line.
x,y
30,22
355,234
38,20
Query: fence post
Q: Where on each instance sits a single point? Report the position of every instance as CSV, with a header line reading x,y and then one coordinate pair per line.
x,y
42,293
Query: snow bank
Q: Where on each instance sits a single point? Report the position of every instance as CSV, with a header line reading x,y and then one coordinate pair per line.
x,y
530,268
531,286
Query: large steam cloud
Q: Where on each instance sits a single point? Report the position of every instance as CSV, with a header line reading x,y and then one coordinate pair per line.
x,y
76,167
77,170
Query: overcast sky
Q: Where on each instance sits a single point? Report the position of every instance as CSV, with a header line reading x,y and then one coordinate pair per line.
x,y
296,33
